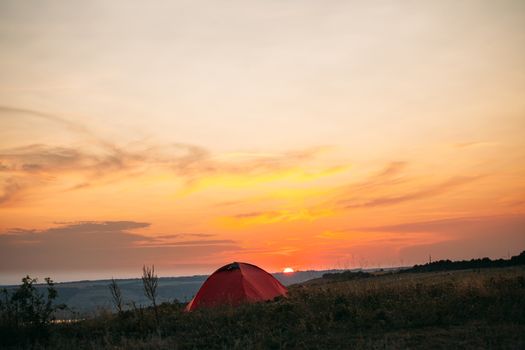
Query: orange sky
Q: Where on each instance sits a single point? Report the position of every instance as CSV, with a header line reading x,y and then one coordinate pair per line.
x,y
191,134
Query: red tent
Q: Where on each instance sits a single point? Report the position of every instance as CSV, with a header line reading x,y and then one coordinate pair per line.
x,y
236,283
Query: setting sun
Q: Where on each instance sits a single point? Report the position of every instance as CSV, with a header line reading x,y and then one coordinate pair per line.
x,y
288,270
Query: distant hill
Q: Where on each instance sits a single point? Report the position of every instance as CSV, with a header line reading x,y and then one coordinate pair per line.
x,y
447,265
436,266
87,297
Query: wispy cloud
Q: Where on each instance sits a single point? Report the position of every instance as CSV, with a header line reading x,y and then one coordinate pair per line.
x,y
422,193
269,217
180,235
98,160
391,169
21,112
184,159
78,245
391,174
39,158
10,188
465,237
195,243
462,225
473,144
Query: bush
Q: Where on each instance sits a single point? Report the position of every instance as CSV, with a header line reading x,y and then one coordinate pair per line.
x,y
25,313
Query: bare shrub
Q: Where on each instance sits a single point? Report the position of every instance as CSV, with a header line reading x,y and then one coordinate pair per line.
x,y
150,282
116,295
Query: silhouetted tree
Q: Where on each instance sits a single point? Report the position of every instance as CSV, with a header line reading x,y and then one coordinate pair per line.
x,y
116,294
150,282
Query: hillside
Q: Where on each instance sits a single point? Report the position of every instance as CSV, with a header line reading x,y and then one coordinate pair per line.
x,y
432,310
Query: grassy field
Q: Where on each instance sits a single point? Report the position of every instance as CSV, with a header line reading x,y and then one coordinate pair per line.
x,y
467,309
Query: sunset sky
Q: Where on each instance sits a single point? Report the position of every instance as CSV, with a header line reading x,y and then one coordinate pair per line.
x,y
309,134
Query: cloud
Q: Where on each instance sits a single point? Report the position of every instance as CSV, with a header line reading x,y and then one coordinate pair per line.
x,y
52,159
474,144
412,242
455,238
389,175
198,161
392,169
423,193
100,161
463,225
162,243
106,245
78,128
494,236
274,216
253,214
97,226
184,159
178,235
39,165
42,158
10,188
